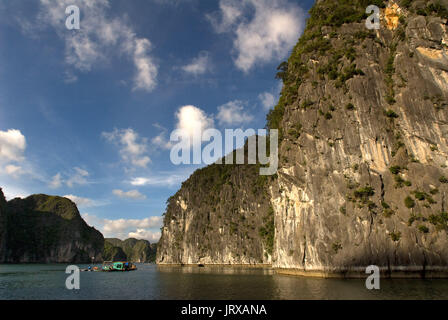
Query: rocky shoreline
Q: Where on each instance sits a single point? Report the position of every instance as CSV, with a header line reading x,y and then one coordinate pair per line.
x,y
404,272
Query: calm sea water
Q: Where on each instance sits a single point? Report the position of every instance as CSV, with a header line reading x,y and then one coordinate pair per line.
x,y
153,282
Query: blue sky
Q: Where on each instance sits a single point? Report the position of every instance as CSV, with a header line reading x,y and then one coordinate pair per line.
x,y
88,113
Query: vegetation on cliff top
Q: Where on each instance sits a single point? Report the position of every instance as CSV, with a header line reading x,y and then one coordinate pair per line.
x,y
327,13
333,14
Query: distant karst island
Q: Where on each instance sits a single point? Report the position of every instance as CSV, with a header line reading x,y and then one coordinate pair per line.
x,y
49,229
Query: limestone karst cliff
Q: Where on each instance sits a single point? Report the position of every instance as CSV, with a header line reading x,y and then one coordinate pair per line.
x,y
48,229
113,253
130,249
363,177
221,215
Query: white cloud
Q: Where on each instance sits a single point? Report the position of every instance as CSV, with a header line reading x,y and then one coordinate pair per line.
x,y
267,100
99,38
160,180
146,69
12,146
193,121
133,149
69,77
140,181
232,113
230,11
13,170
56,181
273,30
161,141
131,194
151,236
199,65
79,177
147,228
80,201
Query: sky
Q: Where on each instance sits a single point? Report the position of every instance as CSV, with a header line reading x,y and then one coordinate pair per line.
x,y
87,113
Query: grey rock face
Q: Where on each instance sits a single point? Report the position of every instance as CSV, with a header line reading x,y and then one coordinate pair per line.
x,y
216,218
113,253
134,250
364,183
363,158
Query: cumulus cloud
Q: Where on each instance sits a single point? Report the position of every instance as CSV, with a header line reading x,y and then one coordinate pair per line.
x,y
131,194
272,31
230,11
56,181
133,148
77,176
232,113
99,37
160,180
147,228
199,65
161,141
80,201
193,121
146,70
13,170
151,236
12,146
12,149
267,100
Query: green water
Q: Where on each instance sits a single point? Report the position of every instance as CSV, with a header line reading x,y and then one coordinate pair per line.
x,y
152,282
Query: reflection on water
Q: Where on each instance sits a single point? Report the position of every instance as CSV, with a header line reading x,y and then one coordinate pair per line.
x,y
227,283
217,270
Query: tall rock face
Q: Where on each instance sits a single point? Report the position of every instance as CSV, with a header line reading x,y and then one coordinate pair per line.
x,y
364,120
3,227
48,229
363,178
130,249
221,215
112,252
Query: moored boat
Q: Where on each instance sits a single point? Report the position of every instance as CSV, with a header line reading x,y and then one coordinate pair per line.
x,y
110,266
